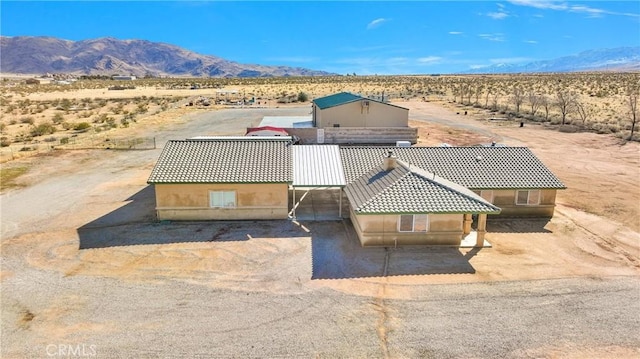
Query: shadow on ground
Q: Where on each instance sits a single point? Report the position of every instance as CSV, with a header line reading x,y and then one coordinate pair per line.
x,y
518,225
337,254
135,224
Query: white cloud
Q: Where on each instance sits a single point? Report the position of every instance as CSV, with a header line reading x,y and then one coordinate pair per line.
x,y
455,32
375,23
564,6
531,41
430,60
498,37
498,15
541,4
592,12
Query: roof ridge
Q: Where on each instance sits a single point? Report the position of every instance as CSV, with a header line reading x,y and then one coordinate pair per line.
x,y
444,183
384,190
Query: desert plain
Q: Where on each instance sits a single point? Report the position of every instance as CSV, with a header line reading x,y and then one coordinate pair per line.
x,y
87,270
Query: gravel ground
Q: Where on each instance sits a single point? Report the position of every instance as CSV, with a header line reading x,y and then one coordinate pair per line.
x,y
178,319
86,272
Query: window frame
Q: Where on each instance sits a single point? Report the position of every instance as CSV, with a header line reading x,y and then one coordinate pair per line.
x,y
419,218
529,192
225,197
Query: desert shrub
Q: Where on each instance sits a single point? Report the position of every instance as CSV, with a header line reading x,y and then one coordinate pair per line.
x,y
82,126
118,109
27,120
4,142
102,118
50,139
13,122
142,108
43,129
57,118
64,140
65,104
303,97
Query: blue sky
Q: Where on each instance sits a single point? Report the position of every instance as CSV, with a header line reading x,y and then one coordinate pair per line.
x,y
365,37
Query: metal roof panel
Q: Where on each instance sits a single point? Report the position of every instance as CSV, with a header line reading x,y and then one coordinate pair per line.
x,y
317,166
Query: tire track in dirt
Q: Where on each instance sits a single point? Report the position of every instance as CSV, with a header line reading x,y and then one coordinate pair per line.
x,y
610,245
380,306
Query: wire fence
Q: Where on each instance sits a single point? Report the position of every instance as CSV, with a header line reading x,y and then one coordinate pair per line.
x,y
16,151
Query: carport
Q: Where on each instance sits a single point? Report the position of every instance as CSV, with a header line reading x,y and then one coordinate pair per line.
x,y
316,167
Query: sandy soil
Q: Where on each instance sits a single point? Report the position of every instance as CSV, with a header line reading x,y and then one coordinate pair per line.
x,y
93,244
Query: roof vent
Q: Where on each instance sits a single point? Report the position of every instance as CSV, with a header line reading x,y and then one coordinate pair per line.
x,y
478,158
390,161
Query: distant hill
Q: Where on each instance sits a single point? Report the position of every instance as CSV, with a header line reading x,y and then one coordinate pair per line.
x,y
108,56
616,59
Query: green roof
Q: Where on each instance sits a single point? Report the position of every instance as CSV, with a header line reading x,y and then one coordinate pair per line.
x,y
336,100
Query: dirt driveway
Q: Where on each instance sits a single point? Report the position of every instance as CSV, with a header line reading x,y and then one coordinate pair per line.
x,y
85,263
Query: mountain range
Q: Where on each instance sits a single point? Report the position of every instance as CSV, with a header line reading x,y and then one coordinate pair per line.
x,y
615,59
109,56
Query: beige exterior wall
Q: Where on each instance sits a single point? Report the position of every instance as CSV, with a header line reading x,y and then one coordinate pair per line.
x,y
506,200
382,230
353,114
191,201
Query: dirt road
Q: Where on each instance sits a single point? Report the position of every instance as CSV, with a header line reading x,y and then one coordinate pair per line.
x,y
84,264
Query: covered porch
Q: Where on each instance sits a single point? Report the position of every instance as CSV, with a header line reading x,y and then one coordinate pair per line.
x,y
318,182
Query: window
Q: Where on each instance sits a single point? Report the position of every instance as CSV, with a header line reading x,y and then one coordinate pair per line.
x,y
528,197
224,199
487,195
413,223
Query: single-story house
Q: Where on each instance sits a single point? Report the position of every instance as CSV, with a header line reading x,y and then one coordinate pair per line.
x,y
219,178
399,204
345,109
512,178
396,195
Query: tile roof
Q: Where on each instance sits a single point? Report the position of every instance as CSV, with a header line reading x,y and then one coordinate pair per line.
x,y
220,160
317,166
407,189
471,167
336,100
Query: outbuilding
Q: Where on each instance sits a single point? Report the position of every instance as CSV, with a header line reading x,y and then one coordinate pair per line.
x,y
345,109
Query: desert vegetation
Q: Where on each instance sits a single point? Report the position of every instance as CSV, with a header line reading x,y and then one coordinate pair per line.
x,y
605,103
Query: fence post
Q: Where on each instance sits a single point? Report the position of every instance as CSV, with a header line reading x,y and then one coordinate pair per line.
x,y
154,143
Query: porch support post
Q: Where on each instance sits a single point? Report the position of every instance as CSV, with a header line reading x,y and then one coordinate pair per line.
x,y
482,229
340,203
294,203
467,223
